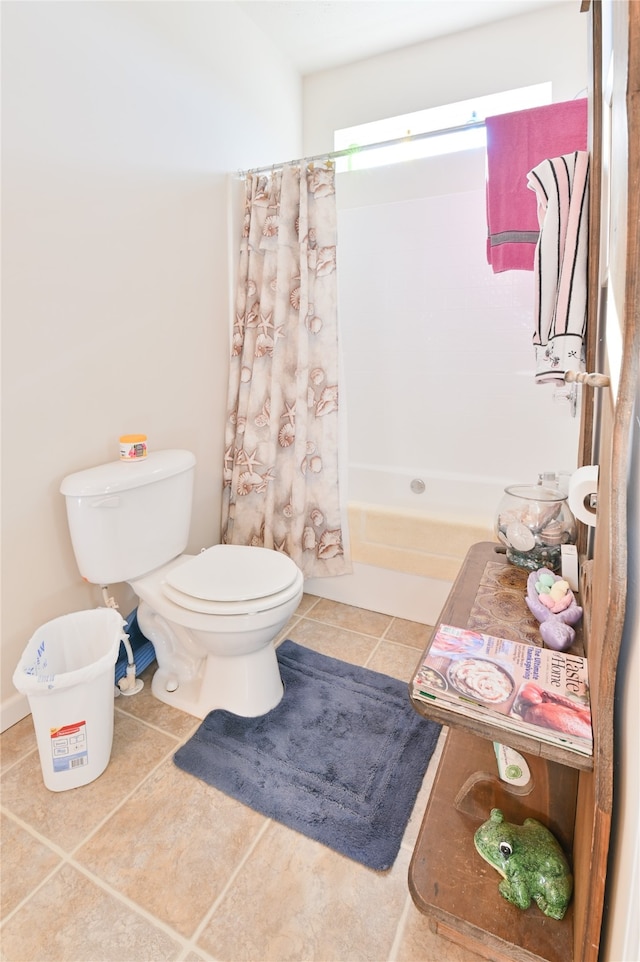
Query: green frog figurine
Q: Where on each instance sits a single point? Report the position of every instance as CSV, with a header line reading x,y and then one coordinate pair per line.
x,y
531,861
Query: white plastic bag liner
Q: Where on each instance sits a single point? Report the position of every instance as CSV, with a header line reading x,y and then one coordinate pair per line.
x,y
67,673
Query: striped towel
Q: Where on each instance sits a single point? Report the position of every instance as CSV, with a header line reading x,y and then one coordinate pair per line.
x,y
561,185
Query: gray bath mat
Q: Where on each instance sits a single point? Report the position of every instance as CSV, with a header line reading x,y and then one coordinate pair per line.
x,y
340,759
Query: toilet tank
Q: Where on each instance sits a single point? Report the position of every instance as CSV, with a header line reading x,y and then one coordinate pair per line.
x,y
127,518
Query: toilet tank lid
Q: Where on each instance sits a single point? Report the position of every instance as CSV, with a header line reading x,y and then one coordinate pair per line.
x,y
124,475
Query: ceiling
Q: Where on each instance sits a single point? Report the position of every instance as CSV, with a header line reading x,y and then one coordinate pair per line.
x,y
322,34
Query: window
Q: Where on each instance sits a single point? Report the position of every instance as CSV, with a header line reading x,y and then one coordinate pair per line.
x,y
433,119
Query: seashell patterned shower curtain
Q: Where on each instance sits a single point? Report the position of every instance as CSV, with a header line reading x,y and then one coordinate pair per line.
x,y
281,474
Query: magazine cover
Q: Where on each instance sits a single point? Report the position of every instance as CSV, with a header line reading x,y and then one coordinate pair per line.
x,y
528,689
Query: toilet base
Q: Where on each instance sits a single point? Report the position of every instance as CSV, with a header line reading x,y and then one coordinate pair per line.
x,y
247,685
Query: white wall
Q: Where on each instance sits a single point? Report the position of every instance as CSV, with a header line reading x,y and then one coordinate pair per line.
x,y
120,123
439,367
529,49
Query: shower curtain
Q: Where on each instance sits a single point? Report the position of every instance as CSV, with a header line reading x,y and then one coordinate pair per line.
x,y
281,475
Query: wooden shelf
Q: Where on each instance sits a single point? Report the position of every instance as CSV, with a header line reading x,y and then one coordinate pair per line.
x,y
448,880
455,887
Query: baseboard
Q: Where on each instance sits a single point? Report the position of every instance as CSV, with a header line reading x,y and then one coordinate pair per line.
x,y
13,710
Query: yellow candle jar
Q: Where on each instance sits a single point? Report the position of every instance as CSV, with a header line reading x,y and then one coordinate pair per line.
x,y
133,447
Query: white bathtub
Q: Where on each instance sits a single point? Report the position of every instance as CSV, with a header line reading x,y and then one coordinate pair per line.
x,y
407,548
456,497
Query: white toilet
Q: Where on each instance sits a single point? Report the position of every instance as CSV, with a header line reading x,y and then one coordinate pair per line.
x,y
212,617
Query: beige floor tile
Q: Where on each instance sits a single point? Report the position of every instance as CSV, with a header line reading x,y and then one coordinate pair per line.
x,y
173,846
295,899
398,661
409,633
73,920
161,845
67,817
148,708
16,742
420,944
354,619
306,604
25,863
335,642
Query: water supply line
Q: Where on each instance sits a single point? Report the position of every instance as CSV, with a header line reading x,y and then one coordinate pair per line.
x,y
129,685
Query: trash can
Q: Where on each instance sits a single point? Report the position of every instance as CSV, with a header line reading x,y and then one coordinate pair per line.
x,y
67,673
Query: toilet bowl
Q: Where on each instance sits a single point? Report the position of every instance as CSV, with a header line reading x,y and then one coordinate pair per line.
x,y
213,619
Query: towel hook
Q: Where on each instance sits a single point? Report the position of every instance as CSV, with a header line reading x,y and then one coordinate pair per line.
x,y
591,380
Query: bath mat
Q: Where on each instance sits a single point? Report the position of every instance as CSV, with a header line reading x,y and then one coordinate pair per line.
x,y
340,759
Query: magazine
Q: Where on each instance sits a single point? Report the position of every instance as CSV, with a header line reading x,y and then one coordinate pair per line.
x,y
517,686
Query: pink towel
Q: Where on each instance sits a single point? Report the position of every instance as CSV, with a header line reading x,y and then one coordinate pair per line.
x,y
516,143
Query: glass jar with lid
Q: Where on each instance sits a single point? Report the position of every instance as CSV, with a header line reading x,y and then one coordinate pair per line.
x,y
533,521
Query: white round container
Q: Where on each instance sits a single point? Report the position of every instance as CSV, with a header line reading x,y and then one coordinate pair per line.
x,y
133,447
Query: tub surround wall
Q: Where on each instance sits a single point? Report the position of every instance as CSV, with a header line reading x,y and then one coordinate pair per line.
x,y
438,356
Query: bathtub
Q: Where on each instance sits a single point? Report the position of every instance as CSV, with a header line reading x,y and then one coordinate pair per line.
x,y
407,547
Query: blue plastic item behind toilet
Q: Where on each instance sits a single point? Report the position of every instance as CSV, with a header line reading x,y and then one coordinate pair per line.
x,y
143,651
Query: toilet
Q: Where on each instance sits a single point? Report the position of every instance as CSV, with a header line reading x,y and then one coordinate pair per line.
x,y
212,617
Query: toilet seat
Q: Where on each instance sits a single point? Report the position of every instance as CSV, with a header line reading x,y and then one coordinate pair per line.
x,y
228,579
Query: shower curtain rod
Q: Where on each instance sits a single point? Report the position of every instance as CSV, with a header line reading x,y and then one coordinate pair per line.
x,y
347,151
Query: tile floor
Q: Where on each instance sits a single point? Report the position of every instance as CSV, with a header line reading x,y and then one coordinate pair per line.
x,y
147,863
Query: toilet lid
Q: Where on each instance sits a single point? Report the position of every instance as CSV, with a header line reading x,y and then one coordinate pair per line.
x,y
230,573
